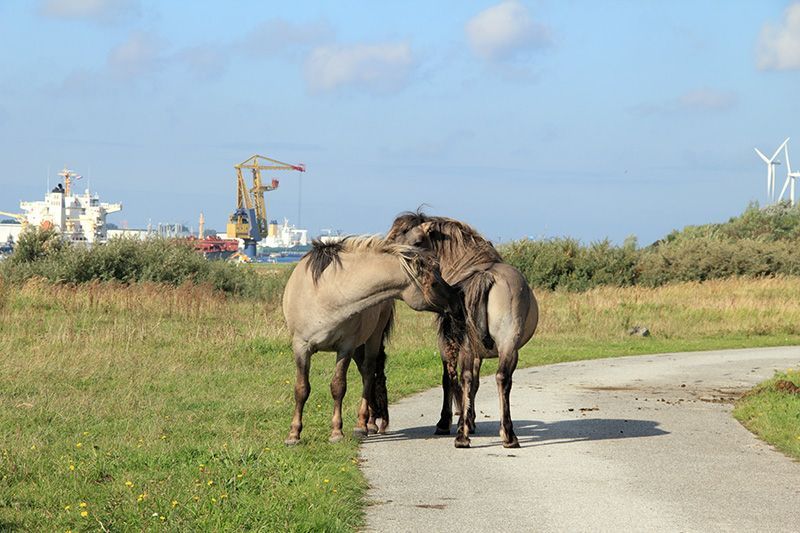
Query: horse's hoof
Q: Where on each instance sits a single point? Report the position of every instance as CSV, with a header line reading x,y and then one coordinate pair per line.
x,y
360,433
292,441
462,441
513,443
335,438
442,431
382,431
372,428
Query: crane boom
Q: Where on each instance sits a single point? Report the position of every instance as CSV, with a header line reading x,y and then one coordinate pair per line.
x,y
249,221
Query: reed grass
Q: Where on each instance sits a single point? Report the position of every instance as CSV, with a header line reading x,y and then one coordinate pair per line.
x,y
161,406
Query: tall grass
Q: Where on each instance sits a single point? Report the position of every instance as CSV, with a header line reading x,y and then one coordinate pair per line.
x,y
130,398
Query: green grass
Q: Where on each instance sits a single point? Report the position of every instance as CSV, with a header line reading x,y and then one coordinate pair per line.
x,y
772,414
167,389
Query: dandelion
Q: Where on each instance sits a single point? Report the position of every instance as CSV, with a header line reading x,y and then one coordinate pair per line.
x,y
129,484
213,500
82,504
266,449
162,518
85,433
210,482
163,437
33,447
326,480
84,513
239,476
174,503
334,490
223,495
78,444
71,468
67,507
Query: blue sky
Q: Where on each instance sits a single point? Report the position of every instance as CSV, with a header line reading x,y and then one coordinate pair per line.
x,y
541,118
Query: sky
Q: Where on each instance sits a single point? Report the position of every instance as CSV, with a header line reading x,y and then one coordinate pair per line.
x,y
589,119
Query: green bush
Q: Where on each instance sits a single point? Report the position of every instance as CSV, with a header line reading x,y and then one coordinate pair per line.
x,y
759,242
42,253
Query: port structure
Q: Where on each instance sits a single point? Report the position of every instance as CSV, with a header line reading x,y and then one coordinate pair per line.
x,y
249,221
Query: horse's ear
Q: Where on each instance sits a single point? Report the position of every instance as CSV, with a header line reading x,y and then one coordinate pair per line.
x,y
426,227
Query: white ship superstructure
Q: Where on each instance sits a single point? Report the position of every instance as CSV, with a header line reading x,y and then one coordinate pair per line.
x,y
284,236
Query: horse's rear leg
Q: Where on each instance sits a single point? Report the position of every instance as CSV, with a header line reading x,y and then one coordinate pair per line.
x,y
302,388
364,413
449,388
466,361
476,382
505,369
338,390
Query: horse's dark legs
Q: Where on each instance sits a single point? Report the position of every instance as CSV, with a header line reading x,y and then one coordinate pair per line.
x,y
449,353
476,382
302,388
505,369
364,414
338,390
466,361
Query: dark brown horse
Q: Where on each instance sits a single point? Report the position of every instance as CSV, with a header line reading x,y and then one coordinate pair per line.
x,y
501,316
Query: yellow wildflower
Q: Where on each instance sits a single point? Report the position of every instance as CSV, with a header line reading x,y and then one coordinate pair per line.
x,y
161,517
174,503
71,467
196,498
326,481
78,444
85,433
213,500
129,483
223,495
67,507
82,504
33,447
84,513
210,482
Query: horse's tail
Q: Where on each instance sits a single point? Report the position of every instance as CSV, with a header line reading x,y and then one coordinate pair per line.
x,y
381,392
476,295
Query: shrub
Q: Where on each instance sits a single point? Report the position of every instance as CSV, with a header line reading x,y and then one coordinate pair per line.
x,y
41,253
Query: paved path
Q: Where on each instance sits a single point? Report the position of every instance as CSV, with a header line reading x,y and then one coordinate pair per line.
x,y
636,443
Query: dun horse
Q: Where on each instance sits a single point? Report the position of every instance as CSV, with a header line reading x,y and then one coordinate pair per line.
x,y
501,316
339,297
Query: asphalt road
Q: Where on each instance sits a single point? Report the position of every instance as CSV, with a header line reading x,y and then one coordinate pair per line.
x,y
627,444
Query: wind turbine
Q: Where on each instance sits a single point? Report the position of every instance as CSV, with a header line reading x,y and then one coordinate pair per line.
x,y
790,176
771,168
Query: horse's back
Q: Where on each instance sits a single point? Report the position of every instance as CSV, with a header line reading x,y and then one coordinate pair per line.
x,y
512,309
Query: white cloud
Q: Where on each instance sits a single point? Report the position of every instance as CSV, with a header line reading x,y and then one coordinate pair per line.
x,y
505,31
140,55
694,101
779,45
707,100
95,10
278,35
376,67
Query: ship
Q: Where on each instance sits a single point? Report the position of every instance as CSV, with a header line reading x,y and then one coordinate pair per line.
x,y
284,240
79,218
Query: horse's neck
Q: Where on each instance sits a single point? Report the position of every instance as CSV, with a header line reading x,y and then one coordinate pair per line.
x,y
364,280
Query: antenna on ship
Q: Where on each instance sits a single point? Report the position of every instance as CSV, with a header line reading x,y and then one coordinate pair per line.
x,y
299,201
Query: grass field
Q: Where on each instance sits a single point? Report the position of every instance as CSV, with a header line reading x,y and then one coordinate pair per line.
x,y
146,407
773,413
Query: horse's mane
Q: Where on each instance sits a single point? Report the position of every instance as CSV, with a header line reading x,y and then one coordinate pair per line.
x,y
323,254
459,247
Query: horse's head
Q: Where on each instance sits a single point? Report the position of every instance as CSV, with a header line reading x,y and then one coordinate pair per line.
x,y
413,228
428,290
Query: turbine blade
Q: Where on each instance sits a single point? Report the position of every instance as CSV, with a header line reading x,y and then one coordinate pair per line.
x,y
788,164
779,149
761,155
783,191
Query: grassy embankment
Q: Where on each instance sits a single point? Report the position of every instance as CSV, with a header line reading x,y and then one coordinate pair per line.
x,y
147,406
772,411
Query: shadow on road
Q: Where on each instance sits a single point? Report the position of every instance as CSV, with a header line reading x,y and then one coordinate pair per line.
x,y
538,433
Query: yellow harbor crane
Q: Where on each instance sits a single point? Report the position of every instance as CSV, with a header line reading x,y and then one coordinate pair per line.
x,y
19,218
249,221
